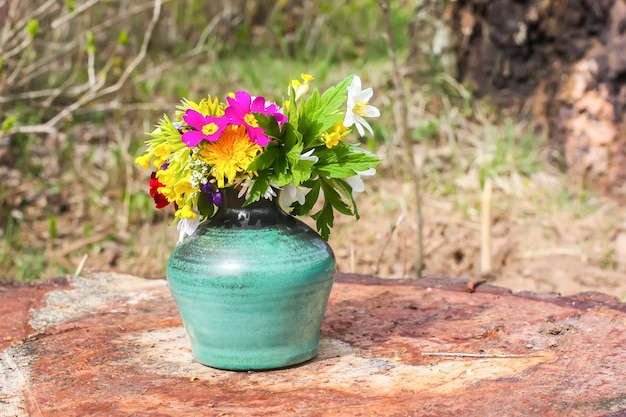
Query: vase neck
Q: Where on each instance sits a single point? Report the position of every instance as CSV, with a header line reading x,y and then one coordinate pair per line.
x,y
258,214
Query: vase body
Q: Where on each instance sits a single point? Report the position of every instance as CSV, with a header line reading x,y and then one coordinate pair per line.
x,y
251,285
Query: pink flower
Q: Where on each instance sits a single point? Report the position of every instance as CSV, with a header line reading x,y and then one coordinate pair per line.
x,y
240,112
206,127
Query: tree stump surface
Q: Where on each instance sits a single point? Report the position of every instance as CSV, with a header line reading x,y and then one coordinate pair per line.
x,y
113,345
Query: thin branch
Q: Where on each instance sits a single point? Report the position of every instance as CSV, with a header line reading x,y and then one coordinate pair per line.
x,y
47,8
482,355
95,94
63,20
199,48
405,132
485,229
51,130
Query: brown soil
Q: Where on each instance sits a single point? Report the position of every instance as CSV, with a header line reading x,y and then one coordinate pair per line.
x,y
534,248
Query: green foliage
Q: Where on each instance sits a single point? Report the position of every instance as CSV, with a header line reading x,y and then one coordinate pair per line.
x,y
316,115
122,38
90,40
52,227
32,27
8,123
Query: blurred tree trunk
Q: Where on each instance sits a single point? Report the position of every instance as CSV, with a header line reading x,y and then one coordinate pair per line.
x,y
433,40
561,62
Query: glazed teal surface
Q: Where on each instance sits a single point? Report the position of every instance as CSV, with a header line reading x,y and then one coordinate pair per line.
x,y
251,286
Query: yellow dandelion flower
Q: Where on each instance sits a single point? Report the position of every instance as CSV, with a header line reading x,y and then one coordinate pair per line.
x,y
230,155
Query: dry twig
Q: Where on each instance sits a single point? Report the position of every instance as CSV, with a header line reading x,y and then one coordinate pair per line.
x,y
481,355
405,133
485,229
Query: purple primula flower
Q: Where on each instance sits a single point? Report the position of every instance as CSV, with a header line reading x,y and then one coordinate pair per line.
x,y
239,112
213,195
206,127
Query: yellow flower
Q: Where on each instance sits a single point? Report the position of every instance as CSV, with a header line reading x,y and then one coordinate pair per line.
x,y
144,160
334,135
161,154
301,88
183,189
186,212
167,177
331,139
230,154
207,106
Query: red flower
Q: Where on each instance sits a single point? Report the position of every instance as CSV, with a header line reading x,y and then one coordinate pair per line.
x,y
159,199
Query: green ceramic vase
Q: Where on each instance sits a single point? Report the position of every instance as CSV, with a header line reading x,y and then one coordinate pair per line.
x,y
251,286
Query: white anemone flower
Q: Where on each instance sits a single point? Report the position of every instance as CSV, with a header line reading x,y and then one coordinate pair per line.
x,y
246,186
291,193
186,227
308,156
356,182
358,107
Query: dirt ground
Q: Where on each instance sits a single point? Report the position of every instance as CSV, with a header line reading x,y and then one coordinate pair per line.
x,y
535,246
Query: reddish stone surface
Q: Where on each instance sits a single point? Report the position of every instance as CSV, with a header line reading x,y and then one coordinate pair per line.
x,y
114,346
15,302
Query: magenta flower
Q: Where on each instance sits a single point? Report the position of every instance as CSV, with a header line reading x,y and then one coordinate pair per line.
x,y
206,127
239,112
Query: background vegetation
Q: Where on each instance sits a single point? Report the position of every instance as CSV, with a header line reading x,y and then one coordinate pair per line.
x,y
81,81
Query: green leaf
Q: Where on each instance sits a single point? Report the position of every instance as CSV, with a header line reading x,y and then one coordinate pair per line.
x,y
204,208
269,124
293,154
70,4
280,168
344,161
336,95
332,197
292,112
261,183
266,159
301,172
319,113
324,220
292,136
313,103
32,27
309,200
122,39
52,227
346,190
90,42
8,123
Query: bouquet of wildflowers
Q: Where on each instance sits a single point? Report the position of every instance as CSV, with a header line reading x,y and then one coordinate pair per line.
x,y
298,151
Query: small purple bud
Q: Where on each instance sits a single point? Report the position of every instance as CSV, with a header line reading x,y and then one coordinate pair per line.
x,y
218,199
213,195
